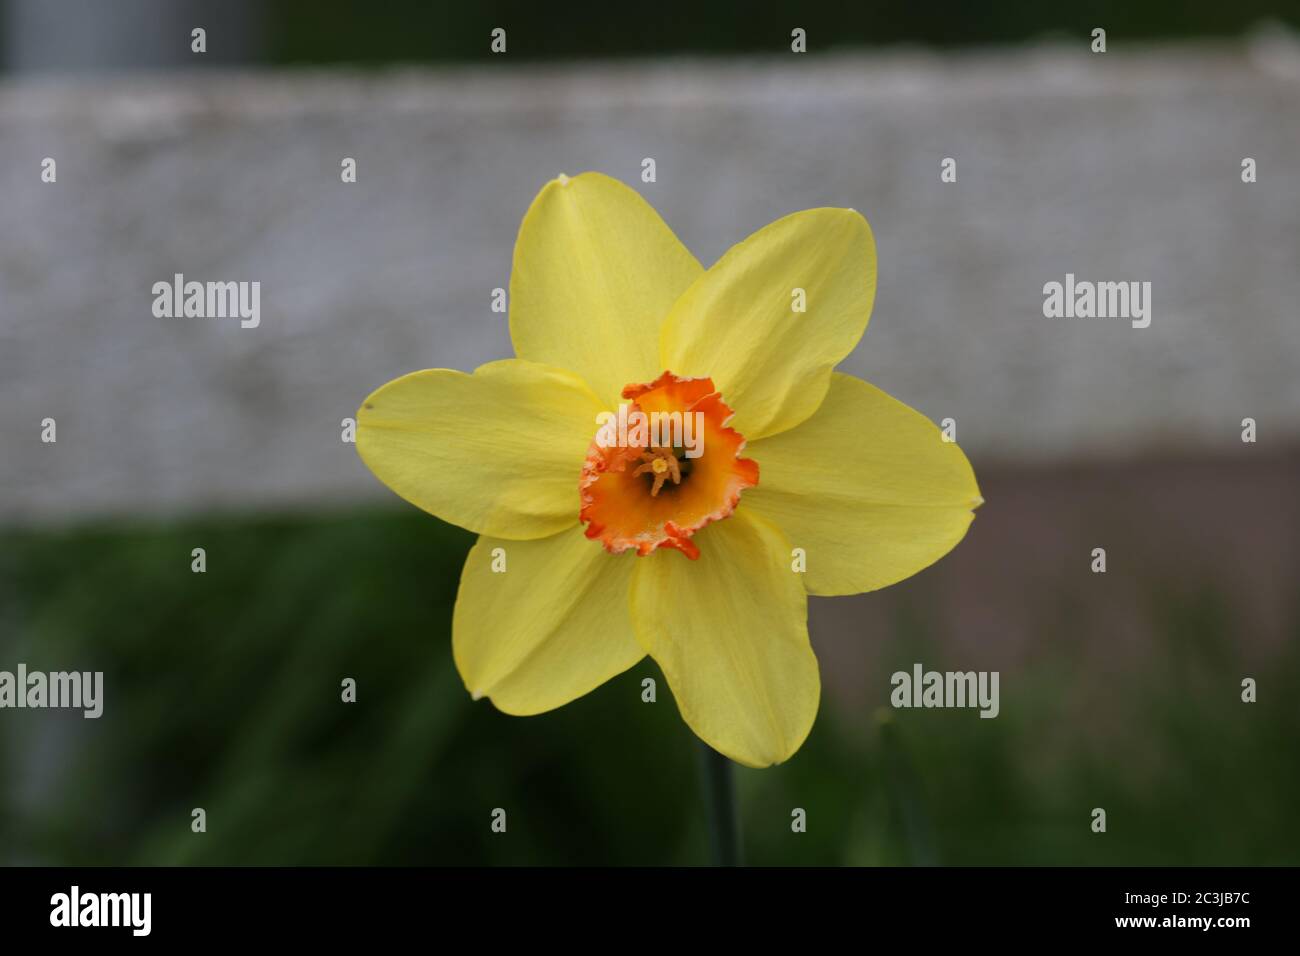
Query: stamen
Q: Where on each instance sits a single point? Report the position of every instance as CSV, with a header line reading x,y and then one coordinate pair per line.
x,y
663,465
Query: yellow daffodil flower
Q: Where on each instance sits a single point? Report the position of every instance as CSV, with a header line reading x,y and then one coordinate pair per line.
x,y
591,557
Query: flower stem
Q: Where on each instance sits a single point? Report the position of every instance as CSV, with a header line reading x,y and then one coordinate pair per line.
x,y
720,801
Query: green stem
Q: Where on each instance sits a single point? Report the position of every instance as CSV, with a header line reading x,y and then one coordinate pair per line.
x,y
720,801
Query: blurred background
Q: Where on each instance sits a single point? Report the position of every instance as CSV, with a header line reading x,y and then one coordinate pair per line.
x,y
1119,690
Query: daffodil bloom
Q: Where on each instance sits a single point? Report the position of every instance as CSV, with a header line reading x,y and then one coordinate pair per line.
x,y
589,558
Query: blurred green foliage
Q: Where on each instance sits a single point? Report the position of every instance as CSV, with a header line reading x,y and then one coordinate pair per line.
x,y
331,31
223,692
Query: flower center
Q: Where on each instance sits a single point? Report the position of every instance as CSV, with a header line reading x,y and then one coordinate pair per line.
x,y
660,463
663,467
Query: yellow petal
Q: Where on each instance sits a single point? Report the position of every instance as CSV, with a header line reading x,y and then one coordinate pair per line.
x,y
867,487
549,628
498,452
595,271
730,631
737,323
